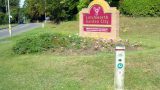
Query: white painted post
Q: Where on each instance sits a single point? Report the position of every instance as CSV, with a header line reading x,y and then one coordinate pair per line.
x,y
119,67
43,25
45,12
9,20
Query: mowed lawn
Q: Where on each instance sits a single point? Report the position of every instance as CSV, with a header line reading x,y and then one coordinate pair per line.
x,y
51,71
6,26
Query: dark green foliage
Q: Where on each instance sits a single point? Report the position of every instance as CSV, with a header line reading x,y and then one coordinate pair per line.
x,y
46,41
3,18
140,7
27,45
35,9
83,4
14,7
57,10
60,10
3,4
114,3
34,44
56,41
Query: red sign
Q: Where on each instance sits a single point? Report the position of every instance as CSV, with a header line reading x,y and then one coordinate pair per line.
x,y
97,16
97,29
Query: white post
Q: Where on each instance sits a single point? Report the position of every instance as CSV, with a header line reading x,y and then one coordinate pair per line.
x,y
119,67
45,12
6,6
43,25
9,20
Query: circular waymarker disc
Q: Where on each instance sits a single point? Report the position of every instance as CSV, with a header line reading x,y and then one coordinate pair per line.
x,y
120,65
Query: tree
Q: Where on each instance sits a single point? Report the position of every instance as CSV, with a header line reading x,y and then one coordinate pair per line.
x,y
85,3
57,10
60,10
14,7
34,9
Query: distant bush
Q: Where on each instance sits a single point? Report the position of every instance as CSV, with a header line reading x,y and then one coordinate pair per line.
x,y
140,7
83,4
3,18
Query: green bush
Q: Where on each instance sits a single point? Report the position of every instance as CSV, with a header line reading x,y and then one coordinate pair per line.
x,y
140,7
43,42
83,4
28,45
3,18
61,42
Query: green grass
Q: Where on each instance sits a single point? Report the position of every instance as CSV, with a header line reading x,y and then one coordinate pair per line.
x,y
48,71
6,26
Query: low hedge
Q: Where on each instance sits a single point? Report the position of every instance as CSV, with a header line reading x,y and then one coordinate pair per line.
x,y
36,43
140,7
43,42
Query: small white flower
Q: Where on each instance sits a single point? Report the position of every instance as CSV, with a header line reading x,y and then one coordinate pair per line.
x,y
77,34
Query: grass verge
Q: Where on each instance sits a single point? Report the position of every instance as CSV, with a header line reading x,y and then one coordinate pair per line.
x,y
84,71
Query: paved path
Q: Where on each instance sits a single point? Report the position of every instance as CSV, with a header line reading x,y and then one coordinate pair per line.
x,y
19,29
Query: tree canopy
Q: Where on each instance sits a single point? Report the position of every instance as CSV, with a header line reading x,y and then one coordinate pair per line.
x,y
14,8
57,10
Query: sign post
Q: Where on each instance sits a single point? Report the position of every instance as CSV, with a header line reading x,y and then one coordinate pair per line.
x,y
119,67
9,20
99,20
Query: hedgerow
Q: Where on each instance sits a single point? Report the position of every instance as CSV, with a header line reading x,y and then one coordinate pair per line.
x,y
140,7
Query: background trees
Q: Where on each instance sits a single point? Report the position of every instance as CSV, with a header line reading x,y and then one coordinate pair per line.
x,y
14,6
62,10
57,10
3,16
34,9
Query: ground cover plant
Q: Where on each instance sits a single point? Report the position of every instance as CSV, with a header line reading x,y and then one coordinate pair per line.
x,y
45,41
52,71
61,42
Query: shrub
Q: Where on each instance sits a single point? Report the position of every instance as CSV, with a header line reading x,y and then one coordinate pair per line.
x,y
140,7
27,45
3,18
45,41
83,4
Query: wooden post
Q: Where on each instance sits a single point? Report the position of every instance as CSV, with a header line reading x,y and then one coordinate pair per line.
x,y
119,67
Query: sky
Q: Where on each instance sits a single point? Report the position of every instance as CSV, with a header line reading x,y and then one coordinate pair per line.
x,y
21,3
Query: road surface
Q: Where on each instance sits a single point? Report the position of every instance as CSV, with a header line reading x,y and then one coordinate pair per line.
x,y
19,29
